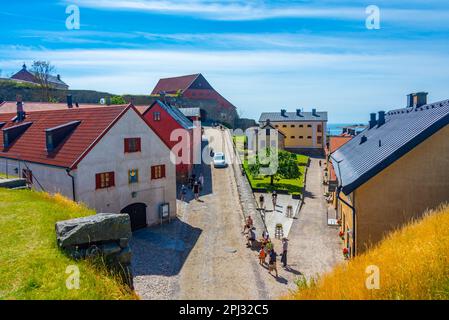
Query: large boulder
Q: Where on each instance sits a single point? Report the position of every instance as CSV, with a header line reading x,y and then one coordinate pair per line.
x,y
101,227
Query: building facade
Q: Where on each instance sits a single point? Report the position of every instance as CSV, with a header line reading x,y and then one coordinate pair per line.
x,y
302,130
28,76
107,158
392,172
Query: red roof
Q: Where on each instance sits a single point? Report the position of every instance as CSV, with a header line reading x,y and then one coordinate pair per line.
x,y
172,85
31,145
336,142
11,106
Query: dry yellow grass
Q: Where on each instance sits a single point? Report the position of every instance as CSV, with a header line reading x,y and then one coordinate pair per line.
x,y
413,264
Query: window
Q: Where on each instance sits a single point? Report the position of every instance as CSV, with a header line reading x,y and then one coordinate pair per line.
x,y
132,145
133,176
309,137
320,128
309,126
301,126
276,126
156,116
284,126
292,137
301,137
319,139
104,180
27,175
292,126
157,172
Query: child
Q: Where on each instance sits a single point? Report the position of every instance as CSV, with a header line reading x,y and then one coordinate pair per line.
x,y
262,256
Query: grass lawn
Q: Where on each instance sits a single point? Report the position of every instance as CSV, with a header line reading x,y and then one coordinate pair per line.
x,y
293,186
31,265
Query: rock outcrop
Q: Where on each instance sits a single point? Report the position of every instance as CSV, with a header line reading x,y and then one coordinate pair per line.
x,y
104,235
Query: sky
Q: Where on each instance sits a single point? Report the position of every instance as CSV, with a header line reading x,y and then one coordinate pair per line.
x,y
260,55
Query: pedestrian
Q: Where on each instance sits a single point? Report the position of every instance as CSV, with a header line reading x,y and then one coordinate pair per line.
x,y
201,181
269,246
272,263
320,163
274,198
284,252
265,236
261,201
196,190
248,224
193,180
183,192
262,255
251,237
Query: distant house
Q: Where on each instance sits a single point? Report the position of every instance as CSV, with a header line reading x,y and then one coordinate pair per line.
x,y
108,158
393,171
195,91
170,123
264,132
302,130
27,76
193,114
334,142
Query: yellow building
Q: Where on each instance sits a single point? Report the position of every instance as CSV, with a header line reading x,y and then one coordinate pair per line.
x,y
302,130
392,172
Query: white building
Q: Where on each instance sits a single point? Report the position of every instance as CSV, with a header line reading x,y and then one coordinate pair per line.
x,y
108,158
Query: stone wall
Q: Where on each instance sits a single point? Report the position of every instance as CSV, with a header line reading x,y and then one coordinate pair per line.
x,y
104,235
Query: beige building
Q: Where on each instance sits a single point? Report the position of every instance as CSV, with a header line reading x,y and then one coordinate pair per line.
x,y
302,130
392,172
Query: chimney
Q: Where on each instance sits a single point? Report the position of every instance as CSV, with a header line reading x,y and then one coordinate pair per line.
x,y
410,100
59,77
314,112
298,112
69,101
283,112
363,139
20,112
419,99
381,120
373,121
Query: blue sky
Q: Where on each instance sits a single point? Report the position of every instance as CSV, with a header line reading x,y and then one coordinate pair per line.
x,y
261,55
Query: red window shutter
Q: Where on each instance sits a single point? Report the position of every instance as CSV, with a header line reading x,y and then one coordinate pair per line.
x,y
98,181
152,172
163,171
126,145
111,179
138,145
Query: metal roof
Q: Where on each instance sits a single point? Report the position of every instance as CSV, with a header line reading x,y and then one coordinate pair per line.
x,y
292,116
356,162
191,112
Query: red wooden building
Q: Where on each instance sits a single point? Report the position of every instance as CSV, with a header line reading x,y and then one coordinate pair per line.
x,y
170,123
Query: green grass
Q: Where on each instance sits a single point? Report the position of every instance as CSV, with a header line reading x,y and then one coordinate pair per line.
x,y
31,265
293,186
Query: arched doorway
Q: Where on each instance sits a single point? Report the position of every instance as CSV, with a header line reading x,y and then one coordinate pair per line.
x,y
138,215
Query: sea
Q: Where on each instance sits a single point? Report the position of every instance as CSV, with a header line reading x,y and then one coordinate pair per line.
x,y
335,129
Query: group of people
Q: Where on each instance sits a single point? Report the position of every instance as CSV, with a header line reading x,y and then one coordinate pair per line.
x,y
266,247
195,184
274,199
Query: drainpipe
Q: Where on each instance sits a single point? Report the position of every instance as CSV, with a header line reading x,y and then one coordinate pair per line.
x,y
68,170
353,220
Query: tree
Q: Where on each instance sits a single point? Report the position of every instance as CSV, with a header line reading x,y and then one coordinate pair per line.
x,y
42,71
117,100
285,168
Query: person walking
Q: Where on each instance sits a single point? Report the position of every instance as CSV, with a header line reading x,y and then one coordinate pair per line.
x,y
250,238
183,192
274,198
284,252
262,255
272,264
261,202
196,190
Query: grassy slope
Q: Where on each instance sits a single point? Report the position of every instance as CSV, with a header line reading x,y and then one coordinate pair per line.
x,y
413,263
31,265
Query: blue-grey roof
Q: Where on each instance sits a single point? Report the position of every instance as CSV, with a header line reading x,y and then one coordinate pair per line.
x,y
176,114
191,112
292,116
356,162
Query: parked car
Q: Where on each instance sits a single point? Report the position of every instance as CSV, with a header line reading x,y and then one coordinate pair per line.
x,y
219,160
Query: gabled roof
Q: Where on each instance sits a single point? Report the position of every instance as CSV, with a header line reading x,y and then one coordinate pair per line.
x,y
269,125
31,146
292,116
336,142
172,85
26,75
404,129
175,113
